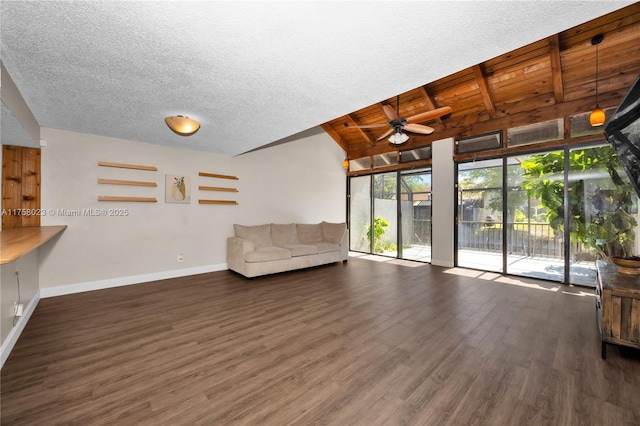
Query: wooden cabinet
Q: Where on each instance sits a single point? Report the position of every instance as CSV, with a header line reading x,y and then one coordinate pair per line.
x,y
20,186
617,306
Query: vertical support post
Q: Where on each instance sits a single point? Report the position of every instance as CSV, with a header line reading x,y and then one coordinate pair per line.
x,y
567,223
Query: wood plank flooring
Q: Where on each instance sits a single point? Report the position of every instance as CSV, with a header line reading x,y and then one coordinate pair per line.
x,y
361,343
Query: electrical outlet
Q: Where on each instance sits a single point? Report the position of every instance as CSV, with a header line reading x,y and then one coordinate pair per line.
x,y
180,257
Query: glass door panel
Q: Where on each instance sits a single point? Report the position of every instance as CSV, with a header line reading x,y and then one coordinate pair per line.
x,y
415,205
535,216
562,210
480,224
360,213
604,211
385,215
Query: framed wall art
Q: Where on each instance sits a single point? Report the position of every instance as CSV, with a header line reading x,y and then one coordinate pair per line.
x,y
177,189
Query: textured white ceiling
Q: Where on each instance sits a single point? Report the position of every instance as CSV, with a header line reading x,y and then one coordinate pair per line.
x,y
251,72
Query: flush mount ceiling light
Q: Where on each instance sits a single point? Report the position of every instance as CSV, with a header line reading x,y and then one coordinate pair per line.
x,y
181,125
597,116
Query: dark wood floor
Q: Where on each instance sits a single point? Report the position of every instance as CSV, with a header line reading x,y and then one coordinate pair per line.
x,y
361,343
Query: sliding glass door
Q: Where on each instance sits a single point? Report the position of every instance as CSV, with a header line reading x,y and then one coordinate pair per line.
x,y
390,214
385,214
360,213
415,208
535,215
603,211
479,223
546,215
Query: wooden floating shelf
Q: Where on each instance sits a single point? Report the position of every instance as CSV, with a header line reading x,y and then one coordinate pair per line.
x,y
127,166
125,182
217,188
213,175
128,199
217,202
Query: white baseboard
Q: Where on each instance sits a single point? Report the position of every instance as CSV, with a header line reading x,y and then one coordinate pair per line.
x,y
62,290
15,332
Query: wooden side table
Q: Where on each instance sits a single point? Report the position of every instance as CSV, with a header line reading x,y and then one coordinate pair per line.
x,y
617,306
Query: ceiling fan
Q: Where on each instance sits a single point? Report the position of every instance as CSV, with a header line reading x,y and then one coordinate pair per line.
x,y
410,124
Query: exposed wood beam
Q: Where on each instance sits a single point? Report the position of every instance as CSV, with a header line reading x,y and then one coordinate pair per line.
x,y
567,127
405,166
556,68
335,136
365,135
478,73
432,105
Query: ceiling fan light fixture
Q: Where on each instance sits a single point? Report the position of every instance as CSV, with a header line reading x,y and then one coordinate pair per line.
x,y
398,138
181,125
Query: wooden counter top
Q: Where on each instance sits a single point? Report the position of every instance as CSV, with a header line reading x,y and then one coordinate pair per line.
x,y
16,242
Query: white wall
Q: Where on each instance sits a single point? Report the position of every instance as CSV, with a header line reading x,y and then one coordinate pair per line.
x,y
19,127
301,181
27,295
443,195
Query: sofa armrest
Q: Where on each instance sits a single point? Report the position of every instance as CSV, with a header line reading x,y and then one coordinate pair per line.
x,y
237,248
344,245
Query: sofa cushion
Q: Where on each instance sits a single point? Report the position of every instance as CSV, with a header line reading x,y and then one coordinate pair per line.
x,y
309,233
301,249
333,232
259,235
282,235
267,254
323,247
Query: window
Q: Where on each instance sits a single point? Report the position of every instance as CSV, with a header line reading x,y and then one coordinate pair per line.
x,y
580,126
384,160
417,154
479,143
534,133
360,164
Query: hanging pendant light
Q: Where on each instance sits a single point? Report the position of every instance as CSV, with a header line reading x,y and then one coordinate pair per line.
x,y
597,117
181,125
345,164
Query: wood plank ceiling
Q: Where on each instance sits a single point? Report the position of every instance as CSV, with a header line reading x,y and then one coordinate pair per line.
x,y
548,79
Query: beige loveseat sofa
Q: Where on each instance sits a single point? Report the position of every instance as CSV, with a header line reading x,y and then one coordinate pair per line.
x,y
272,248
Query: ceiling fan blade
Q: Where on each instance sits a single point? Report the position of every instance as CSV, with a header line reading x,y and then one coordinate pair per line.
x,y
390,113
387,133
429,115
419,128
